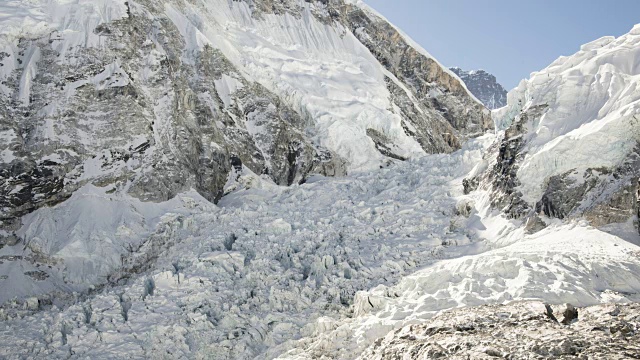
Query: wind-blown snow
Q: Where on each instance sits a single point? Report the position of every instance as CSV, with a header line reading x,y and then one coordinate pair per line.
x,y
593,115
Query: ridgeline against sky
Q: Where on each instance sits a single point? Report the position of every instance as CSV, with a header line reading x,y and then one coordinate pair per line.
x,y
488,35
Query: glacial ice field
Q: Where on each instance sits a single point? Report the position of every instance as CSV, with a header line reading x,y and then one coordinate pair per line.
x,y
319,269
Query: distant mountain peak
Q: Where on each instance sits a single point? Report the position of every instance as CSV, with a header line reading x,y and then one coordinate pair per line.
x,y
483,86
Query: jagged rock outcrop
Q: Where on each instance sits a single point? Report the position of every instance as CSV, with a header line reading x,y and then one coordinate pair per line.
x,y
153,98
483,86
518,331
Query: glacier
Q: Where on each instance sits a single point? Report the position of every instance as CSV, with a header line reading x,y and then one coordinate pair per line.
x,y
300,180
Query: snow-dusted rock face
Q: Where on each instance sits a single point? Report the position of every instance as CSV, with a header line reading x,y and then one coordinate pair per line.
x,y
153,98
483,86
571,137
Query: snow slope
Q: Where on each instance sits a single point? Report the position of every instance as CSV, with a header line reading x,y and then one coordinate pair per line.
x,y
592,115
82,241
322,69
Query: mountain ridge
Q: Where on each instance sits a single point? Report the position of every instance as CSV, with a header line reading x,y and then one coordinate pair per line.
x,y
196,86
484,86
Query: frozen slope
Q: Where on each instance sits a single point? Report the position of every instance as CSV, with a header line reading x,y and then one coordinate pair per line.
x,y
243,279
81,242
576,125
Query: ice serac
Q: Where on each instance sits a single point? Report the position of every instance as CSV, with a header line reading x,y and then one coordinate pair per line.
x,y
571,138
483,86
152,98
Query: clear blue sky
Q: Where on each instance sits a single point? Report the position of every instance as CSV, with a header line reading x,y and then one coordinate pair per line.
x,y
508,38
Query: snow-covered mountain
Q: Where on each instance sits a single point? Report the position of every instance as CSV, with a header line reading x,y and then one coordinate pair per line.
x,y
297,180
156,97
483,86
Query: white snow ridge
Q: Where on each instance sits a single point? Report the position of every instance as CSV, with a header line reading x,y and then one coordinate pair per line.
x,y
265,180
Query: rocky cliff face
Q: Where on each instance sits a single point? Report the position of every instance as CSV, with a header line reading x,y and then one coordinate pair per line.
x,y
152,98
483,86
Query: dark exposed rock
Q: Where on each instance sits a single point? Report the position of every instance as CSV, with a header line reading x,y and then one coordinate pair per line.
x,y
603,196
570,314
501,177
37,275
563,194
425,124
483,86
429,83
638,205
383,144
